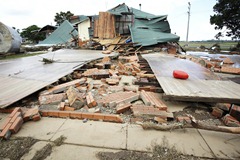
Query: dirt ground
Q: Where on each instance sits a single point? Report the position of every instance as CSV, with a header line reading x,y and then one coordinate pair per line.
x,y
157,152
14,149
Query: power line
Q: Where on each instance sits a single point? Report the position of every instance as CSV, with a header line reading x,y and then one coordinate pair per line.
x,y
189,7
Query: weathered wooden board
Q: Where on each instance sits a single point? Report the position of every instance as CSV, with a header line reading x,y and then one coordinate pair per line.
x,y
202,85
24,76
104,27
200,90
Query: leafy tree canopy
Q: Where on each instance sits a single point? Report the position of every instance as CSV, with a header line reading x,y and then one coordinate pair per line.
x,y
227,14
62,16
32,34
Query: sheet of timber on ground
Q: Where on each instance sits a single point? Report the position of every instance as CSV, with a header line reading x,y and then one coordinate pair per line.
x,y
202,85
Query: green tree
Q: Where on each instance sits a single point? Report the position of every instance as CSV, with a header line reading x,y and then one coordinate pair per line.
x,y
31,33
227,14
62,16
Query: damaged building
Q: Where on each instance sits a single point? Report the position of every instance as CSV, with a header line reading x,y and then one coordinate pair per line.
x,y
144,29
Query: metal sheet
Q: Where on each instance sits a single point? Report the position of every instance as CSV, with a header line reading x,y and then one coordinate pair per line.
x,y
22,77
202,85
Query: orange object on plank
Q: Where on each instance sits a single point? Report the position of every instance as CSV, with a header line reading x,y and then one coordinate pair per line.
x,y
180,74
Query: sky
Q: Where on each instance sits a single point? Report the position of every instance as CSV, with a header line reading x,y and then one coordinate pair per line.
x,y
24,13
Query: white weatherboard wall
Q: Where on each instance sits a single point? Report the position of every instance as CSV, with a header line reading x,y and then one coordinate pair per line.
x,y
83,30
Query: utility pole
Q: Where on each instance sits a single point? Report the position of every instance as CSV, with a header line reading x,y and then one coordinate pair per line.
x,y
189,7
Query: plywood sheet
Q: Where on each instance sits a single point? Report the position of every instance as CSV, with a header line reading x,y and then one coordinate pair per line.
x,y
104,27
200,90
24,76
202,85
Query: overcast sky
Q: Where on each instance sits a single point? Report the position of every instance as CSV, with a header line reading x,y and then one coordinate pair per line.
x,y
23,13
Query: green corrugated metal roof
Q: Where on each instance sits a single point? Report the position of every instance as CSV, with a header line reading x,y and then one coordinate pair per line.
x,y
119,9
61,35
147,29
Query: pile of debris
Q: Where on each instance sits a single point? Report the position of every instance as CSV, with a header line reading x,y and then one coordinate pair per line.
x,y
222,64
16,118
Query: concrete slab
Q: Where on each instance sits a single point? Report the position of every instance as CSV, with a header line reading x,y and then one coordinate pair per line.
x,y
187,141
42,130
223,145
75,152
93,133
36,147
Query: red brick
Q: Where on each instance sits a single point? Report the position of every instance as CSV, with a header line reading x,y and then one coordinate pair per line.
x,y
98,116
54,98
7,120
235,112
53,113
36,117
29,113
123,108
87,115
6,133
184,119
6,110
63,114
77,115
17,109
16,125
217,112
17,114
66,108
230,121
112,118
44,113
61,106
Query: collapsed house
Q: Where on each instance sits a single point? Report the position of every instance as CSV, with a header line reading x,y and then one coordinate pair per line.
x,y
145,29
63,35
10,40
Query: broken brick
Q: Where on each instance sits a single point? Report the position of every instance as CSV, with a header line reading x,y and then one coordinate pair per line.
x,y
216,112
66,108
30,113
123,108
7,120
49,99
16,125
17,109
36,117
159,120
61,106
230,121
6,133
63,87
184,119
235,112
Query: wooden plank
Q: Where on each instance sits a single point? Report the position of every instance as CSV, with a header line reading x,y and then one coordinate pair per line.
x,y
202,85
200,90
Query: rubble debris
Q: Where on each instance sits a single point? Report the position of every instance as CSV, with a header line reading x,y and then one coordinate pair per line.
x,y
82,115
50,99
12,123
64,86
119,97
152,99
235,111
230,121
143,110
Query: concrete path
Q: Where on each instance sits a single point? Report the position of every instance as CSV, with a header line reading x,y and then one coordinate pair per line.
x,y
88,138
